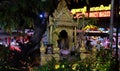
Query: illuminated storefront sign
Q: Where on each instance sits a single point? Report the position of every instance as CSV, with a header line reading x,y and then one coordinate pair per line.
x,y
84,9
100,8
100,14
94,14
100,11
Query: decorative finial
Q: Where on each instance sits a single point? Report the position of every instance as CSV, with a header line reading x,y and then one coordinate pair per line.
x,y
62,4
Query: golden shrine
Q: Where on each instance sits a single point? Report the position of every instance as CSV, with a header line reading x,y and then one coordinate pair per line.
x,y
62,26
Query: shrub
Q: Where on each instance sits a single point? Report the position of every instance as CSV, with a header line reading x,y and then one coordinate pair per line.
x,y
103,62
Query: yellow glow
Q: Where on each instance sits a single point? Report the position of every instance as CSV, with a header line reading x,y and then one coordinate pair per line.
x,y
74,66
57,66
84,9
90,27
100,8
63,66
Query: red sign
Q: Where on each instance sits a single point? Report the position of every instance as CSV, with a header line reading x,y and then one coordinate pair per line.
x,y
104,14
94,14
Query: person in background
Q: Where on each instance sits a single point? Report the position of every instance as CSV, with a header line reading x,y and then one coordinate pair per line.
x,y
119,45
26,39
98,45
88,45
14,46
73,49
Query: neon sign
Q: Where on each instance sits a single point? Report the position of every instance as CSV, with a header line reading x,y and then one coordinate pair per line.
x,y
84,9
100,14
94,14
100,8
104,14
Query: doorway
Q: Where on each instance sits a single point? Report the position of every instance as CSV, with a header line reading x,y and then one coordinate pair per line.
x,y
63,42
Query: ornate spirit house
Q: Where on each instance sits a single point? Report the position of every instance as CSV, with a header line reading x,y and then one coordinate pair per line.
x,y
61,27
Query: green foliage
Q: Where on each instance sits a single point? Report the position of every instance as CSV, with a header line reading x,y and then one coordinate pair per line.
x,y
17,14
4,59
103,62
3,55
82,22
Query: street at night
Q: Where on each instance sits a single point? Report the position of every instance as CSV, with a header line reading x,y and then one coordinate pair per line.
x,y
59,35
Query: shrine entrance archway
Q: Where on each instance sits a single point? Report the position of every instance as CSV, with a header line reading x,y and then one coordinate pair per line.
x,y
63,34
63,42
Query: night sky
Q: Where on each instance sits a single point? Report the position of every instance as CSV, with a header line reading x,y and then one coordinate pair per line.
x,y
92,3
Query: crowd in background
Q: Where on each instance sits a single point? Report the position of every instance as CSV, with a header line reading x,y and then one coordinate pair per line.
x,y
99,42
14,42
